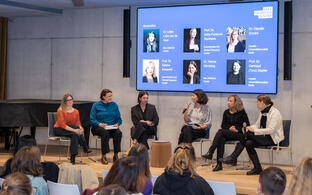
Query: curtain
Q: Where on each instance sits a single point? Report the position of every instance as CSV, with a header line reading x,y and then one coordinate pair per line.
x,y
3,57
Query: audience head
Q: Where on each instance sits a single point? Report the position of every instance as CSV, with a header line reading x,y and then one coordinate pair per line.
x,y
263,101
27,161
183,159
199,97
106,95
272,181
234,103
301,182
16,184
113,189
141,153
142,96
125,172
67,100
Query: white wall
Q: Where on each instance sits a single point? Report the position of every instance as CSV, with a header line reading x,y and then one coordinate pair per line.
x,y
81,52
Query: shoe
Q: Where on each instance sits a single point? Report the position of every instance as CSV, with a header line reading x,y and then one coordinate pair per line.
x,y
115,157
208,156
72,159
104,160
229,160
254,171
218,167
87,150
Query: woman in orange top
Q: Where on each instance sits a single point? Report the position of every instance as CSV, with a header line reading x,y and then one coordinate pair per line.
x,y
68,125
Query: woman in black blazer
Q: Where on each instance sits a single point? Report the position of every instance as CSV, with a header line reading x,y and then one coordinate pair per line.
x,y
145,120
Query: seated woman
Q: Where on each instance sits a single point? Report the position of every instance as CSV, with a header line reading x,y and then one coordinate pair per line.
x,y
16,183
180,176
27,161
68,125
144,118
301,181
272,181
197,118
105,120
267,131
231,129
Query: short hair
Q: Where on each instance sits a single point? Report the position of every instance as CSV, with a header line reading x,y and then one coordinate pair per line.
x,y
183,159
27,161
202,97
141,94
140,151
265,99
113,189
16,184
125,172
301,182
104,92
238,103
273,181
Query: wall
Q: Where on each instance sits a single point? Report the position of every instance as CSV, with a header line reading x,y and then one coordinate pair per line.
x,y
81,52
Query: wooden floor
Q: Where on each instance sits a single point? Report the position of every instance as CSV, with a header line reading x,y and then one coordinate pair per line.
x,y
244,184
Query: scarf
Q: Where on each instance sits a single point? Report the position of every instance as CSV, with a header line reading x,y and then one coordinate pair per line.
x,y
264,114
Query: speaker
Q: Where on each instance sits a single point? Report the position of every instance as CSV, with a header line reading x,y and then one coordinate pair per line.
x,y
288,19
126,43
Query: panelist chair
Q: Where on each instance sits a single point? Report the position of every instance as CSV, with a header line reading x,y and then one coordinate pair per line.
x,y
204,139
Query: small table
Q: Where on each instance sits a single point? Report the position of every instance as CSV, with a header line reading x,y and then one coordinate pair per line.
x,y
160,153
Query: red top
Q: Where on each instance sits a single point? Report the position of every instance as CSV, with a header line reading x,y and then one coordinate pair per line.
x,y
67,118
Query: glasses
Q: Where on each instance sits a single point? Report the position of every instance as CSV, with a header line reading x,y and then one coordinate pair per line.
x,y
69,100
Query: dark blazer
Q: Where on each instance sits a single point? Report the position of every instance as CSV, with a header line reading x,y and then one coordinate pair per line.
x,y
186,45
238,48
196,79
145,79
151,115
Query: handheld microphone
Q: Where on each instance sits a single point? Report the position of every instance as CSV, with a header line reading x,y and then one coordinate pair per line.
x,y
244,129
189,103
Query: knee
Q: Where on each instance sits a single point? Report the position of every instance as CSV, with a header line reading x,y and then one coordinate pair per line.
x,y
249,144
118,133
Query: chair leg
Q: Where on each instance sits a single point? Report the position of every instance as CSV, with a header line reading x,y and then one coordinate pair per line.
x,y
45,150
271,158
290,156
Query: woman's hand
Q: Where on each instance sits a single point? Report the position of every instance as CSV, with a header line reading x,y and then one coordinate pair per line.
x,y
79,131
249,128
102,125
190,74
116,125
232,128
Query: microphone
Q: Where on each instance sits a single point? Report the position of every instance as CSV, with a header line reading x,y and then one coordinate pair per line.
x,y
244,129
189,103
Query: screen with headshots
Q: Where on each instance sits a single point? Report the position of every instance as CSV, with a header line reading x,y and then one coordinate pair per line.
x,y
229,47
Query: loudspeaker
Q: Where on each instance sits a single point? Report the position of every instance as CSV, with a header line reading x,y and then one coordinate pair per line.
x,y
288,19
126,43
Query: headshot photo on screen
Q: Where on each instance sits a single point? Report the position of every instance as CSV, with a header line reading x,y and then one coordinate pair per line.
x,y
236,39
236,72
151,40
150,71
191,71
192,40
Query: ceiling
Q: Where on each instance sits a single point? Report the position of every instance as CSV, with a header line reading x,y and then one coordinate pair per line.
x,y
19,8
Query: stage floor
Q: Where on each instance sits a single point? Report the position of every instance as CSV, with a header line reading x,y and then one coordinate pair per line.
x,y
244,184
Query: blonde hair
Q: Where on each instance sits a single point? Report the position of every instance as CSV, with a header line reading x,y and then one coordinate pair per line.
x,y
301,182
238,103
63,101
183,160
148,64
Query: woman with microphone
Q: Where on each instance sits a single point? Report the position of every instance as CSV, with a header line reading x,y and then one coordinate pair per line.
x,y
197,118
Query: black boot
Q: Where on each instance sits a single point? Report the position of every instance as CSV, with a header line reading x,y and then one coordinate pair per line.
x,y
86,150
257,166
72,159
115,157
218,167
232,159
208,155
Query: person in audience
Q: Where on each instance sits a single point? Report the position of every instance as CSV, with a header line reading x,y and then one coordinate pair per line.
x,y
113,189
27,161
150,73
105,120
68,125
192,74
301,182
197,118
272,181
141,153
235,45
267,131
16,184
180,176
231,129
145,120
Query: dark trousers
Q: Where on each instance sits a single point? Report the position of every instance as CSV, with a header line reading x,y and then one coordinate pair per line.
x,y
257,140
116,134
220,138
141,132
75,139
188,134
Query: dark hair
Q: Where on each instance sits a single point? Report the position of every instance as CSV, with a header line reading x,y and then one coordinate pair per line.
x,y
113,189
141,94
202,98
265,99
140,151
125,172
27,161
194,64
104,92
25,140
16,184
273,181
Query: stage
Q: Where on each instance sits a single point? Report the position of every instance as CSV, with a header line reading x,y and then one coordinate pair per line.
x,y
244,184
